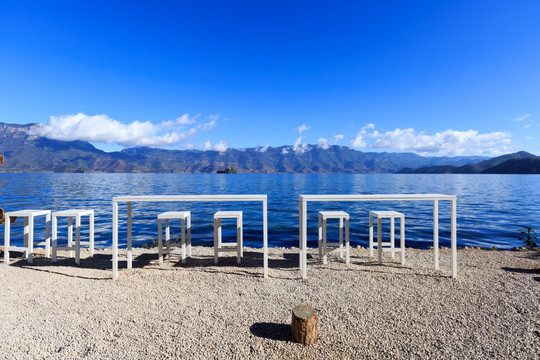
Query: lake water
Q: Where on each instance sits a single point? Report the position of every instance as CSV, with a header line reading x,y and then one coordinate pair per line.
x,y
491,208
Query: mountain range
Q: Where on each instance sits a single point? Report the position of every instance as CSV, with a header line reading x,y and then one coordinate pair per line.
x,y
30,153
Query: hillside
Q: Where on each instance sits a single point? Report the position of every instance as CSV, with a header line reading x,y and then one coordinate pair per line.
x,y
516,166
27,153
520,162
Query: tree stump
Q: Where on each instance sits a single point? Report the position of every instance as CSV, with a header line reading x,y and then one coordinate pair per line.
x,y
304,324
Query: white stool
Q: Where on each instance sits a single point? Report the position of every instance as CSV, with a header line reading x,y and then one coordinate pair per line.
x,y
387,246
28,247
324,244
228,247
185,217
70,214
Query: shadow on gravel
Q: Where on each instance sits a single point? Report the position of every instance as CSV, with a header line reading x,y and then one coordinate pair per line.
x,y
43,264
524,271
272,331
251,259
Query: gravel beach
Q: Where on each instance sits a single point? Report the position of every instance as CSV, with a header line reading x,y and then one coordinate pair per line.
x,y
199,310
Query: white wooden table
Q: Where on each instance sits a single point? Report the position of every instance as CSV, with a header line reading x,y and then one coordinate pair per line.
x,y
383,197
180,198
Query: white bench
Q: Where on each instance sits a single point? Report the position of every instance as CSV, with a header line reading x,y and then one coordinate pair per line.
x,y
70,214
220,246
185,217
387,246
28,246
323,242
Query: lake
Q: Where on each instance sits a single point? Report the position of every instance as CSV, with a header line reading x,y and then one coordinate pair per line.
x,y
491,209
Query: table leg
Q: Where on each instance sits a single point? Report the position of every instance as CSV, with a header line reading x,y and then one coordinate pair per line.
x,y
325,256
25,237
303,238
402,238
392,237
341,238
300,235
189,235
70,236
7,230
168,238
183,240
379,239
115,241
454,239
54,238
348,244
265,237
436,233
370,235
160,243
216,245
319,243
31,239
48,235
239,240
129,252
91,234
78,239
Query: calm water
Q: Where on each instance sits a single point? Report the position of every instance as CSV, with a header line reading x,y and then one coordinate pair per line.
x,y
491,208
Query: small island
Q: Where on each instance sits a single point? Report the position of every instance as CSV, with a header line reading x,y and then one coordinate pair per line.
x,y
230,170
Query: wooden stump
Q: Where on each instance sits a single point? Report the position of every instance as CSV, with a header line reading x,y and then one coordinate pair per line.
x,y
304,324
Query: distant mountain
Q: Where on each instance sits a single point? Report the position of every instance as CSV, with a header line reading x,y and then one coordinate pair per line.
x,y
29,153
517,163
516,166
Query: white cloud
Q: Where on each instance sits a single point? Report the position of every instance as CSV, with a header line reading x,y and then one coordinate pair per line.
x,y
220,146
264,148
527,126
325,143
359,141
298,147
302,128
284,151
448,142
522,117
368,126
103,129
209,125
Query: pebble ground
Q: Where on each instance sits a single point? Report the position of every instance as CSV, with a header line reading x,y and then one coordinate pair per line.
x,y
199,310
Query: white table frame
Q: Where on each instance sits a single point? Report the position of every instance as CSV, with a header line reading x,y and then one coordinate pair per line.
x,y
303,200
179,198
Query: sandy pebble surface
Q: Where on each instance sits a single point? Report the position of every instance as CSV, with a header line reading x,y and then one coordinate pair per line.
x,y
199,310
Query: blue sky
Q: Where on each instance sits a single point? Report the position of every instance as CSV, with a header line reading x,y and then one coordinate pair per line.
x,y
431,77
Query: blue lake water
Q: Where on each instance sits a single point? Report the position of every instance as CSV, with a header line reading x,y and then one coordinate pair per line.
x,y
491,208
